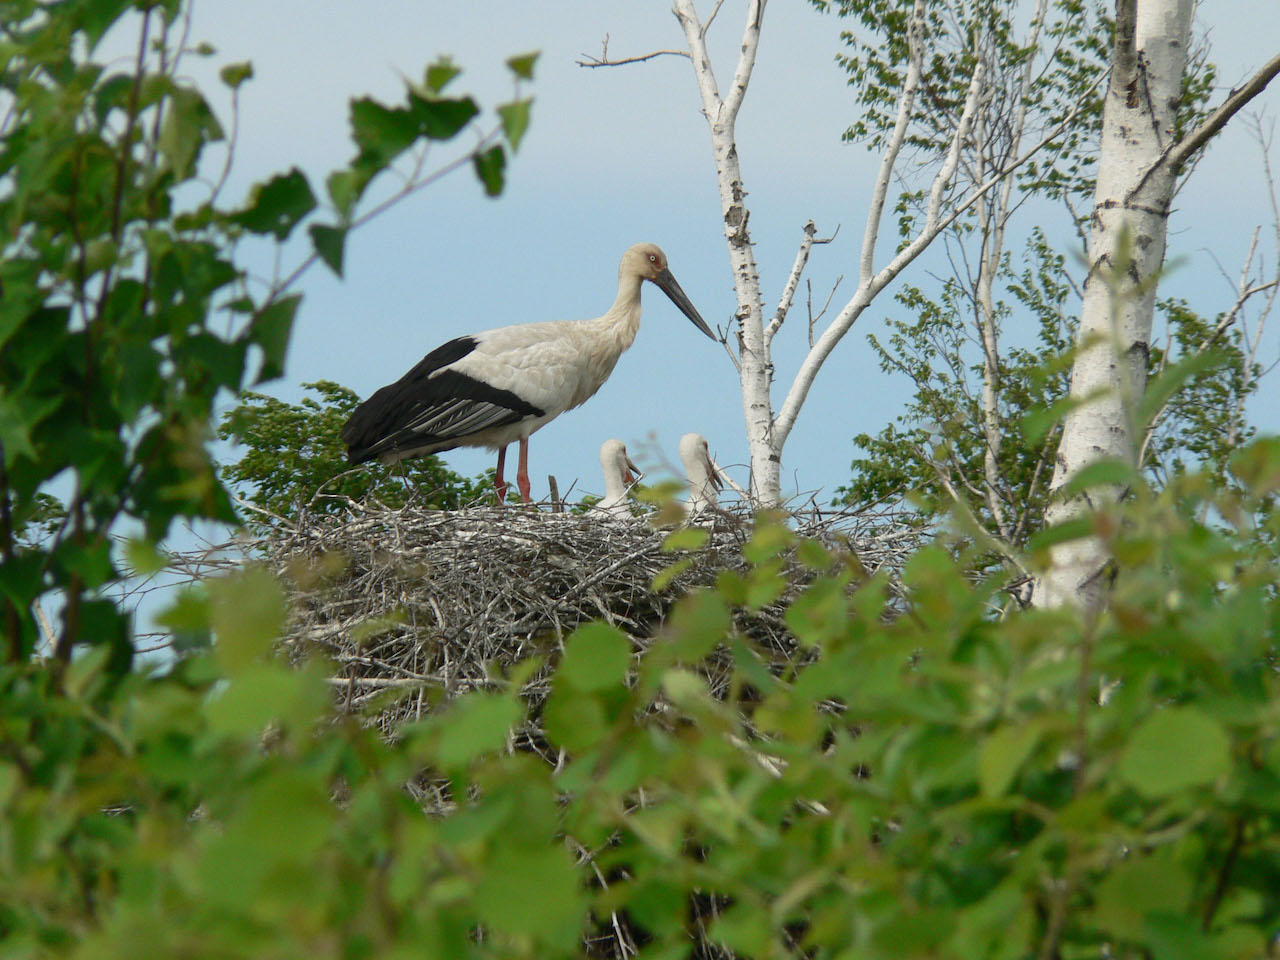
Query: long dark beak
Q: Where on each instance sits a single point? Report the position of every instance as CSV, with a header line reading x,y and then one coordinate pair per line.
x,y
713,473
667,284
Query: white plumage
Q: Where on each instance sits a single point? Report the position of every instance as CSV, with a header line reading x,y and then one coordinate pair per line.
x,y
619,474
499,386
703,474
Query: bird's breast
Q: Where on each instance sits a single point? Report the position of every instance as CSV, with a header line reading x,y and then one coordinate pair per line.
x,y
554,366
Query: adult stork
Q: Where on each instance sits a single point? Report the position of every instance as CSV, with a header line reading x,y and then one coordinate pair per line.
x,y
619,474
704,475
498,386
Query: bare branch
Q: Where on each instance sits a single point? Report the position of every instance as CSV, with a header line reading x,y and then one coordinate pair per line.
x,y
789,291
604,61
868,288
815,317
943,180
1178,153
906,100
707,25
747,61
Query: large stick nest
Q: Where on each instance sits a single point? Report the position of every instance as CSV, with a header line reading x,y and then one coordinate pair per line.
x,y
412,601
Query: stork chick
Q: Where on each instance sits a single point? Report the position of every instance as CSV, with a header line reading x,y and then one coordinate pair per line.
x,y
500,385
703,474
619,474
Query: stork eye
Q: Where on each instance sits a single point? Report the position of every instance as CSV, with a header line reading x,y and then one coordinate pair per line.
x,y
653,258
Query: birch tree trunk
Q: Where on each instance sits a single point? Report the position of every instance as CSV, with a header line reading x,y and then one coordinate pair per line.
x,y
754,369
1136,182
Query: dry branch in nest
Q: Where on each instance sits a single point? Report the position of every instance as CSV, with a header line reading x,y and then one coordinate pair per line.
x,y
415,605
411,603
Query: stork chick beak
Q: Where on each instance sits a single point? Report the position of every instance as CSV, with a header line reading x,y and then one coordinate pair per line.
x,y
713,472
630,473
667,284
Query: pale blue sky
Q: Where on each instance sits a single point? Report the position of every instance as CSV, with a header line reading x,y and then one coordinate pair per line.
x,y
614,157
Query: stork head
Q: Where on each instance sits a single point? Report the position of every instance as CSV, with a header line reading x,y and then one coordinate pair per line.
x,y
614,461
704,476
648,262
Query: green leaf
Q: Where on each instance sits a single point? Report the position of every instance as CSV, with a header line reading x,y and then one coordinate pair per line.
x,y
382,133
1103,473
1171,380
234,74
143,558
529,890
767,542
265,693
669,573
442,118
596,656
187,126
345,188
820,613
440,73
690,538
698,623
685,689
96,18
247,615
329,242
1139,886
278,205
522,65
515,121
476,723
489,166
1002,755
271,330
15,432
1068,530
1175,749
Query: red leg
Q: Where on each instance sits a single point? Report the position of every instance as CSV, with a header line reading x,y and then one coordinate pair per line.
x,y
522,474
498,482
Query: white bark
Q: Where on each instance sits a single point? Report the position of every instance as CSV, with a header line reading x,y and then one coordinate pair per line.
x,y
767,433
754,367
1128,230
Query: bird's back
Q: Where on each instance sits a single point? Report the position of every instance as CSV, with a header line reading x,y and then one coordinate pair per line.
x,y
435,395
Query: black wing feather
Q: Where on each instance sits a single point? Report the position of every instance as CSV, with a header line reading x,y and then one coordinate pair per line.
x,y
430,409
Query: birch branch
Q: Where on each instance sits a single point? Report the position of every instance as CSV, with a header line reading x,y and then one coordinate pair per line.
x,y
943,180
1178,153
747,61
1228,319
604,61
868,289
789,291
815,317
906,103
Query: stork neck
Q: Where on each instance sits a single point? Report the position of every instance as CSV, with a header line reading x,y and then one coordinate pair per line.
x,y
628,294
624,315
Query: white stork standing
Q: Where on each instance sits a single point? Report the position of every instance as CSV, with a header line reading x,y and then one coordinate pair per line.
x,y
703,474
619,474
500,385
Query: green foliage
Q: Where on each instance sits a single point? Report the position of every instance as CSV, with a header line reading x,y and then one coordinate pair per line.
x,y
934,451
1075,56
294,456
987,348
124,314
929,779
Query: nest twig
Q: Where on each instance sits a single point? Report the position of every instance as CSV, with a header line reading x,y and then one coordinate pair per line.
x,y
407,601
